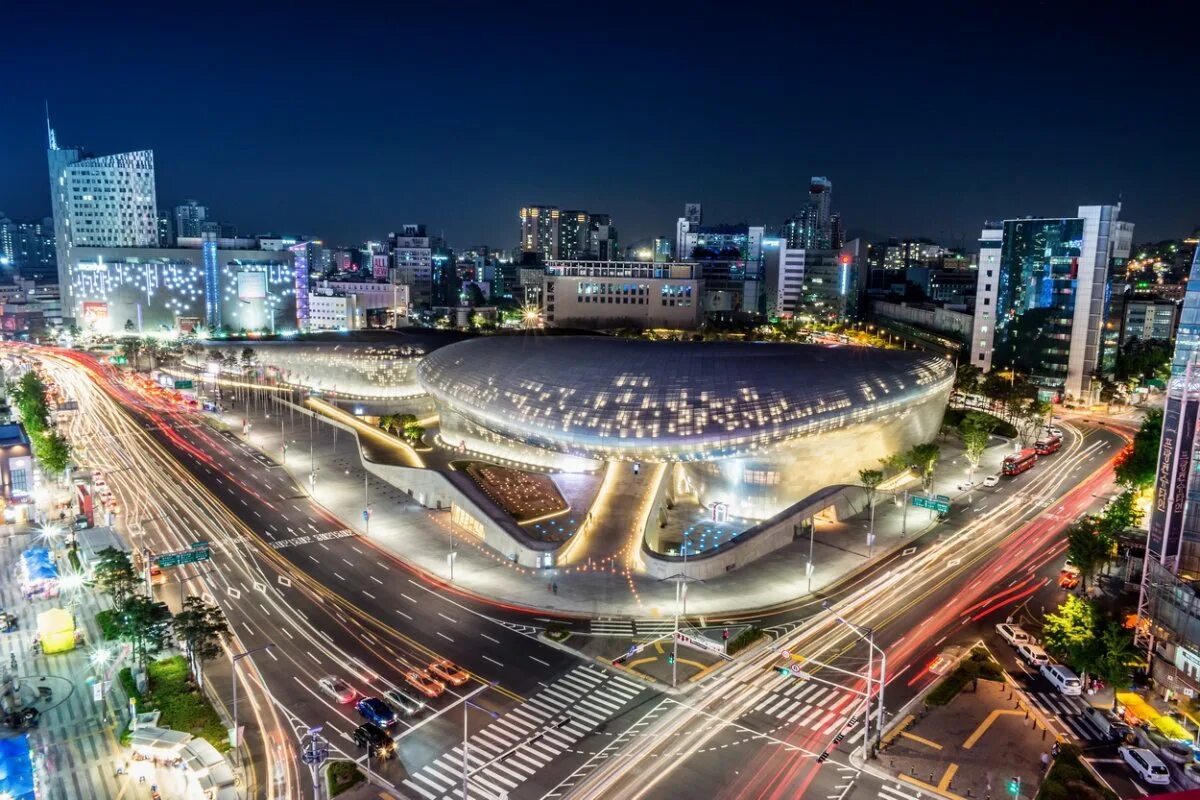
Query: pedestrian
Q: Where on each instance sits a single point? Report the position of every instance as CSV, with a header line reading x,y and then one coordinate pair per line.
x,y
725,635
12,660
1045,759
556,587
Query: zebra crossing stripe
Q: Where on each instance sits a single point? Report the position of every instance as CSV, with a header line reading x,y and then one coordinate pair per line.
x,y
419,790
889,790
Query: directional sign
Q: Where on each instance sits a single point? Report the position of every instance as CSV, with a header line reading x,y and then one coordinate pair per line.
x,y
939,505
199,552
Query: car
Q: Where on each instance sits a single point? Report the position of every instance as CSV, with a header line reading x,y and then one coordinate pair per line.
x,y
424,683
1148,766
377,711
375,739
991,480
404,702
1033,655
1054,431
450,672
1013,634
1068,578
337,688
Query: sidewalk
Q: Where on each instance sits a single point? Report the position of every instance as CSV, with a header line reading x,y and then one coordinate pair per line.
x,y
421,536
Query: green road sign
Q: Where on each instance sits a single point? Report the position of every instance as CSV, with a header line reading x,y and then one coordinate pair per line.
x,y
940,504
182,384
199,552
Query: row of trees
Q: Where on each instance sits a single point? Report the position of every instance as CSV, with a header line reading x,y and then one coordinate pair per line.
x,y
1092,541
1080,634
1137,463
1009,397
402,425
50,447
147,626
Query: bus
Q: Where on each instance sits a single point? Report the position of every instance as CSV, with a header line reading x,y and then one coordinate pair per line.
x,y
1016,464
1050,444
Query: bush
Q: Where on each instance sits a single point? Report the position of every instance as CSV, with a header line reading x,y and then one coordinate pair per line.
x,y
184,707
954,418
107,621
1068,779
977,666
743,640
557,631
343,775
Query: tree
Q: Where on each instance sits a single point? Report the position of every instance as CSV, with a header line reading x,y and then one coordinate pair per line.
x,y
1070,631
129,326
1088,549
414,432
975,430
924,458
1029,419
132,349
387,422
968,379
1120,515
114,574
145,624
53,451
1136,464
198,629
1114,656
871,478
895,463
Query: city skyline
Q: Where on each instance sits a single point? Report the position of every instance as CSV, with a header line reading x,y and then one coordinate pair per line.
x,y
908,143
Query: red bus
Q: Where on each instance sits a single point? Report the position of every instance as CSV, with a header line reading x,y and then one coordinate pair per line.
x,y
1045,447
1016,464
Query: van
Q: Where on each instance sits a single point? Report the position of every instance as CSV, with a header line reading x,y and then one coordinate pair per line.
x,y
1110,727
1062,679
1148,766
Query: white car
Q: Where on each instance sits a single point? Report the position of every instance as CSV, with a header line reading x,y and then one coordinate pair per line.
x,y
1033,655
1148,766
991,480
1013,634
337,688
1055,431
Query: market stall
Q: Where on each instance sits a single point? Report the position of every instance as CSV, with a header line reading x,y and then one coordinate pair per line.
x,y
39,574
56,631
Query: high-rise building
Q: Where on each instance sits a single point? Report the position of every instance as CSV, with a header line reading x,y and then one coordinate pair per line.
x,y
812,228
412,258
190,219
602,238
166,229
540,230
574,234
808,284
98,201
1040,297
27,249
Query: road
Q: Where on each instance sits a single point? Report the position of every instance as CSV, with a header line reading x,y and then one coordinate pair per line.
x,y
329,602
751,732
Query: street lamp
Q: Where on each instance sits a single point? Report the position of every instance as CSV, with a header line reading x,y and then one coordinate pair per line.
x,y
489,712
868,635
237,737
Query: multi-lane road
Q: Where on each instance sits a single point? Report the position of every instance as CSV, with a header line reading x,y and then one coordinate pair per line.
x,y
549,723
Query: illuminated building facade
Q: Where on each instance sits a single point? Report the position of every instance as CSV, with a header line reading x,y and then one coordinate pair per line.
x,y
101,201
743,424
1041,296
614,294
160,289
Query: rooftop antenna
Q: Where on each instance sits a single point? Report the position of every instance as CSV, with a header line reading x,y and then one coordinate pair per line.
x,y
49,130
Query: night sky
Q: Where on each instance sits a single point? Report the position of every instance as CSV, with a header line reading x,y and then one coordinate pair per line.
x,y
347,121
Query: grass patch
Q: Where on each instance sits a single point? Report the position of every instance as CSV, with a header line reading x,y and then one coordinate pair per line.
x,y
107,622
343,775
184,707
743,640
557,631
954,417
977,666
1069,779
73,559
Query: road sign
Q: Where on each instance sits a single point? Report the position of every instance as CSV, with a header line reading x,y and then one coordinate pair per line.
x,y
798,672
785,653
184,384
700,643
199,552
939,505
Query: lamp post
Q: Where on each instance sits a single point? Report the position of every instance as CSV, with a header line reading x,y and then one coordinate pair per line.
x,y
868,635
237,737
467,702
809,568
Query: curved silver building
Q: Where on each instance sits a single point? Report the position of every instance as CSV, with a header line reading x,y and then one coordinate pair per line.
x,y
753,426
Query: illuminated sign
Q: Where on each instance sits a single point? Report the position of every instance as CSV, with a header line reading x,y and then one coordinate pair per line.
x,y
252,285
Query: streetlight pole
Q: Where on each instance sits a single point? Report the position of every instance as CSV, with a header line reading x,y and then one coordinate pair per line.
x,y
808,569
868,635
366,504
237,737
467,702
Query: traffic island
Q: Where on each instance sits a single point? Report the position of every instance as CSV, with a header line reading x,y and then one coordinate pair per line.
x,y
974,739
184,707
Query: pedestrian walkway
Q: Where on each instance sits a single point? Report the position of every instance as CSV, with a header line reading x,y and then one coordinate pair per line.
x,y
516,746
422,536
807,704
1071,712
901,791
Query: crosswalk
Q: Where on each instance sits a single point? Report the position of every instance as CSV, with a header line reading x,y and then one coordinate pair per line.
x,y
513,747
1070,711
808,704
899,791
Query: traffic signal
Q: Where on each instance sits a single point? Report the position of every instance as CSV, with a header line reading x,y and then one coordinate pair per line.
x,y
1014,786
671,659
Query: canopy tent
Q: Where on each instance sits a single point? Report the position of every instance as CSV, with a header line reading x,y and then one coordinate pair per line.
x,y
56,630
207,767
158,742
39,575
16,769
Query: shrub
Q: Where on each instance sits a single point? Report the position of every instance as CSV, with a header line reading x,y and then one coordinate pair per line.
x,y
954,417
107,622
1068,779
343,775
743,640
184,707
977,666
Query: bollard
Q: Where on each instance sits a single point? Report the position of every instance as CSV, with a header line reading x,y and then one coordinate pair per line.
x,y
931,777
1027,713
1043,734
912,770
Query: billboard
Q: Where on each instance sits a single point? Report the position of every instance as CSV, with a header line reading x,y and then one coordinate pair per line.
x,y
1171,480
252,285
